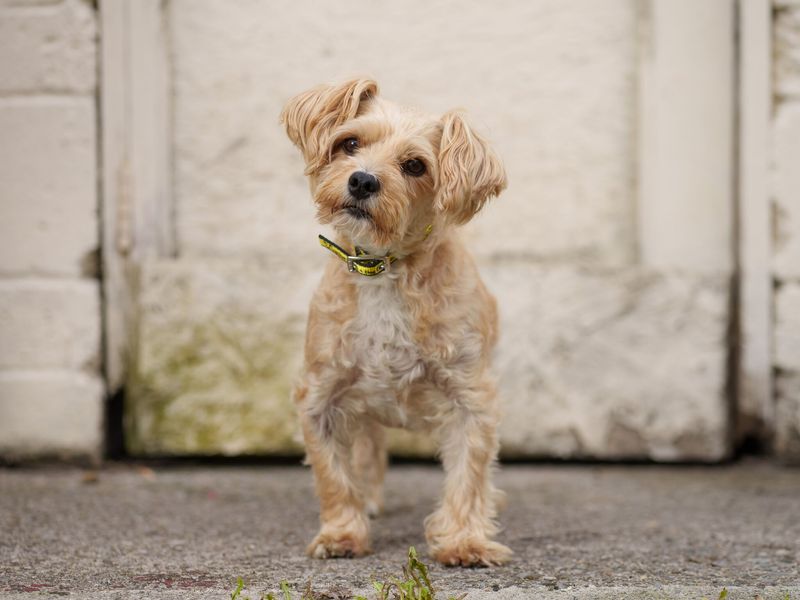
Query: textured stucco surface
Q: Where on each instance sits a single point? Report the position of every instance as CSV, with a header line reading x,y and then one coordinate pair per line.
x,y
47,46
786,182
786,36
50,413
48,170
787,415
50,324
787,362
551,83
51,391
786,228
787,327
624,364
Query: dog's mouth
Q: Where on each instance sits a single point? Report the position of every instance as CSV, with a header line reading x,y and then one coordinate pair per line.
x,y
356,211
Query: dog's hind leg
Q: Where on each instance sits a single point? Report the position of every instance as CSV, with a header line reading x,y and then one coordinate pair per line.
x,y
460,531
369,463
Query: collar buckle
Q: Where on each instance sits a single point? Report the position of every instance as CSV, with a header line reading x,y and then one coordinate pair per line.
x,y
380,264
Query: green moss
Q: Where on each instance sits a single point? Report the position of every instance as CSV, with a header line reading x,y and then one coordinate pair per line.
x,y
219,386
214,359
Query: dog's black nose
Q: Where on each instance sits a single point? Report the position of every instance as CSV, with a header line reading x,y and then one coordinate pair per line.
x,y
361,185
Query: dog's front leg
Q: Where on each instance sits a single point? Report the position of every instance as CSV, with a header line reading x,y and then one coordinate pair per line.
x,y
344,530
460,531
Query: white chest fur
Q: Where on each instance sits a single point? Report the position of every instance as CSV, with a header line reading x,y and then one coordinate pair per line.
x,y
380,340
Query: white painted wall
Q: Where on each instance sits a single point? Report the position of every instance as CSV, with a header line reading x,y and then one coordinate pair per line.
x,y
51,392
619,356
552,83
686,135
602,354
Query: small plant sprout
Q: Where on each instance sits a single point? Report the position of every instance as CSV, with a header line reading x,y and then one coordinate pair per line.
x,y
415,584
237,592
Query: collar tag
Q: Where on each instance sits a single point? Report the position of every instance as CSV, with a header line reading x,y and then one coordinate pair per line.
x,y
368,264
363,263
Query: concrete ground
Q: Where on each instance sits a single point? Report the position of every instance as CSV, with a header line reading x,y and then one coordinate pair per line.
x,y
129,531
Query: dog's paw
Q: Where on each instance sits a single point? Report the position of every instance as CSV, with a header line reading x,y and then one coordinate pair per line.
x,y
344,545
472,553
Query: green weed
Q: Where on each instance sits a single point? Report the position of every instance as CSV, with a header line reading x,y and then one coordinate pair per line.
x,y
414,584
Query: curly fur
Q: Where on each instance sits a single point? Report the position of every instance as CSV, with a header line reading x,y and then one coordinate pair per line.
x,y
409,348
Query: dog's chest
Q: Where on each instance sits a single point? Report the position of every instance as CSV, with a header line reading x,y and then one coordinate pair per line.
x,y
381,337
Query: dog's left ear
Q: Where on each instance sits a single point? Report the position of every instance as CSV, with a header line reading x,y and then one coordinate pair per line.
x,y
310,117
469,170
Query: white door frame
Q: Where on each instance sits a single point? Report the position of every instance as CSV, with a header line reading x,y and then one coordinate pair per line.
x,y
137,205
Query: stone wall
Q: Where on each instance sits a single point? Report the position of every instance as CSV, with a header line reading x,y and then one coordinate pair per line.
x,y
600,356
786,233
51,391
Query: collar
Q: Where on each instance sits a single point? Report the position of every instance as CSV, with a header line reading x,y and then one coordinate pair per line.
x,y
362,262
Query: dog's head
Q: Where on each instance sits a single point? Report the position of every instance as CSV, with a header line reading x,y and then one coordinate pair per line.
x,y
379,172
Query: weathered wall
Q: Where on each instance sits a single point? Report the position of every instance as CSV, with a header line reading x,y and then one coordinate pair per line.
x,y
615,358
51,392
552,83
599,357
786,233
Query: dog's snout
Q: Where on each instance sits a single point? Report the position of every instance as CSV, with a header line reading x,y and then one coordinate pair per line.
x,y
361,185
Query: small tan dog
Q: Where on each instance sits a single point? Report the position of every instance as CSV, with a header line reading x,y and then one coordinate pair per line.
x,y
401,329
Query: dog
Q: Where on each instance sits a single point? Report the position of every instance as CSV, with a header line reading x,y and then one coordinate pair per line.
x,y
401,327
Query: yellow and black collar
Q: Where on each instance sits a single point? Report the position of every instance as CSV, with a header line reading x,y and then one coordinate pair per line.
x,y
364,263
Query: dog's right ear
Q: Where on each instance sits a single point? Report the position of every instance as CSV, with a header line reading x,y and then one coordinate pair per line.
x,y
310,117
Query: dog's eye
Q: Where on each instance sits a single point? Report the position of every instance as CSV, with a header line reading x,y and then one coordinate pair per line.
x,y
350,145
414,167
